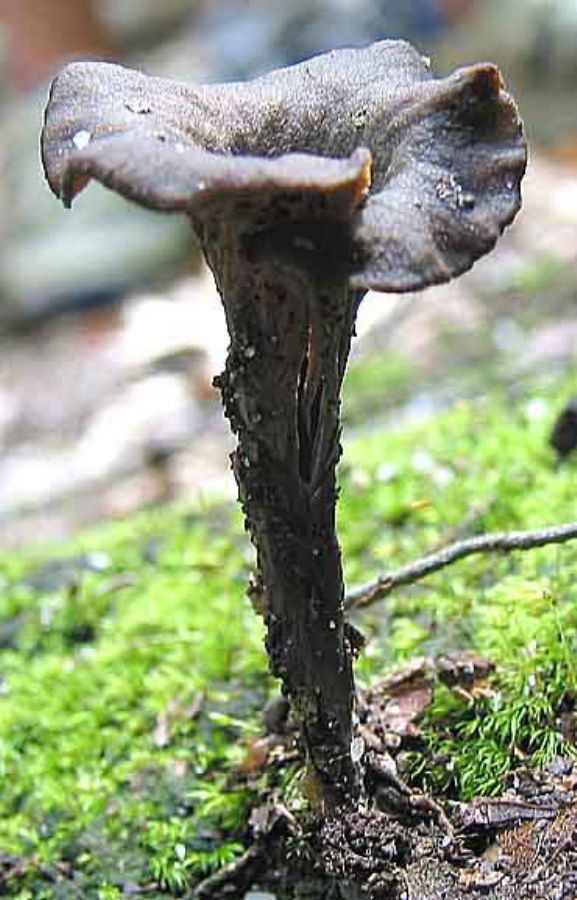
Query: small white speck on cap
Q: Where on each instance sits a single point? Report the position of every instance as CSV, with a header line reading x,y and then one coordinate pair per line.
x,y
81,139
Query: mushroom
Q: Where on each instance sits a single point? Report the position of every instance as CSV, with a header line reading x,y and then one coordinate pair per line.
x,y
355,170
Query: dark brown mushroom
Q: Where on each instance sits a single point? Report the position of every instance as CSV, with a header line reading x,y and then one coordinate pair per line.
x,y
306,187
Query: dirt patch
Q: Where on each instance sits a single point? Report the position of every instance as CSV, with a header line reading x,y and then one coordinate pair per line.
x,y
397,843
400,844
522,845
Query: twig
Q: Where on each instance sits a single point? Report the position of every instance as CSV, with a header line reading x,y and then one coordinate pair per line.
x,y
498,542
270,822
236,878
414,799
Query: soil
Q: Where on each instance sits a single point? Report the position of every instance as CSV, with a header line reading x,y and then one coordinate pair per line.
x,y
521,846
398,843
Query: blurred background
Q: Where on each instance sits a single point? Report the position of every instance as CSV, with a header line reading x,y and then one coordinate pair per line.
x,y
110,326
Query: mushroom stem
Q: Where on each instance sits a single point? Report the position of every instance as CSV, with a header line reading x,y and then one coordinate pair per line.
x,y
290,316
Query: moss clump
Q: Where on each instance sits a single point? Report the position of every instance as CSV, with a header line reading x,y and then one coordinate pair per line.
x,y
129,693
483,466
125,704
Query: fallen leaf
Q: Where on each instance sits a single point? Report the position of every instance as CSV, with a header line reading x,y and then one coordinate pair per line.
x,y
479,879
393,705
466,670
400,713
491,813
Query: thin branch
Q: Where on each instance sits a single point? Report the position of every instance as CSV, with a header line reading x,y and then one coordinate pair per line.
x,y
498,542
235,878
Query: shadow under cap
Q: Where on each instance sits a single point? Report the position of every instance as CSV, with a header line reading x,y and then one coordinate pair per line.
x,y
425,172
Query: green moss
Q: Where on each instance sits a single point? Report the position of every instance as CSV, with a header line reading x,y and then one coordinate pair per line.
x,y
86,774
128,695
485,465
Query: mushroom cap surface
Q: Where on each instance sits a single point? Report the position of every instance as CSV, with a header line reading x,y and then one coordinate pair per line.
x,y
424,172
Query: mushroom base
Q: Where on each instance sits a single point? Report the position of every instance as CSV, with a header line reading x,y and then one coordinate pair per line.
x,y
290,317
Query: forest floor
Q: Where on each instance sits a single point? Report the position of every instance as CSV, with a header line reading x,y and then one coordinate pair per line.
x,y
133,744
